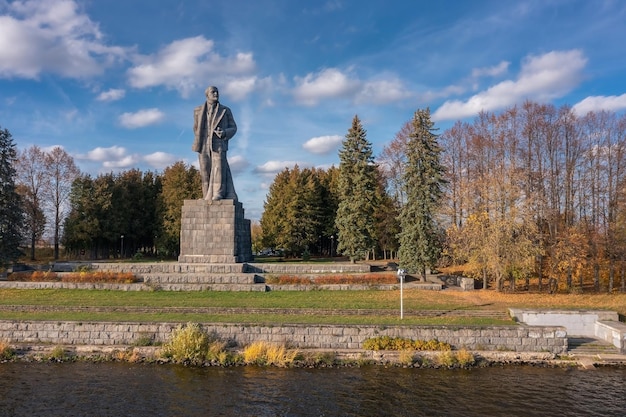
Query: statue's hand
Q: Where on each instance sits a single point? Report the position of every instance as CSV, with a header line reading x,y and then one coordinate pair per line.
x,y
219,132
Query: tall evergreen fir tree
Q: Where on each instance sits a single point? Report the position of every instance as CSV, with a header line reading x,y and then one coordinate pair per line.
x,y
355,219
274,220
11,215
423,180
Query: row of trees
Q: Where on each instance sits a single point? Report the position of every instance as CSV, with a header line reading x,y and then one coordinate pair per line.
x,y
534,191
538,190
44,183
131,212
11,214
305,208
107,216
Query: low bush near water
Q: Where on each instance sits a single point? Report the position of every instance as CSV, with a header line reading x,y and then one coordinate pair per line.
x,y
465,358
59,354
399,343
188,344
459,359
263,353
6,351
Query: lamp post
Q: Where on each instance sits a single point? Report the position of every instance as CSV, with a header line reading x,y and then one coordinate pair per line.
x,y
122,247
401,274
332,243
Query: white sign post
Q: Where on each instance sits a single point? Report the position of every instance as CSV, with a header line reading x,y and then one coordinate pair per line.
x,y
401,275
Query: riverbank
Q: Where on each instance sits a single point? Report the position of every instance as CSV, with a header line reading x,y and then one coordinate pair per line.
x,y
322,358
314,346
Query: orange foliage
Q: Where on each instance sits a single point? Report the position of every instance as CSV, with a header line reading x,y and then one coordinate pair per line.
x,y
78,277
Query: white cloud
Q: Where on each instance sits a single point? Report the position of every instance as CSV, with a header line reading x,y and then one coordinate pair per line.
x,y
239,88
328,83
322,144
189,64
494,71
237,163
274,167
102,154
111,95
597,103
382,91
125,162
113,158
332,83
541,78
160,160
38,36
141,118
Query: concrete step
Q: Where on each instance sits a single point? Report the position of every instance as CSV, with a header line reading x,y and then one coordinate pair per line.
x,y
195,278
211,287
306,268
589,346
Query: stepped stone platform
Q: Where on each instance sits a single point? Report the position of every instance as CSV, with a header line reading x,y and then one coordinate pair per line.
x,y
176,276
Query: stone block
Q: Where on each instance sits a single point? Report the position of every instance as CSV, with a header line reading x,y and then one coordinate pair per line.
x,y
214,232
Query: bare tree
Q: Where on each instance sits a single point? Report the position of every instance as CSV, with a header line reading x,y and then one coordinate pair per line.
x,y
32,181
61,171
392,161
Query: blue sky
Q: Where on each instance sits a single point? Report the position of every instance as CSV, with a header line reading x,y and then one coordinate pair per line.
x,y
114,82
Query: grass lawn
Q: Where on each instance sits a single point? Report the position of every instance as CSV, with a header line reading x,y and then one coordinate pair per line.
x,y
371,299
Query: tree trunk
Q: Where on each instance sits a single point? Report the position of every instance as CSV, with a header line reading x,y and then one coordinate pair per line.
x,y
580,282
57,221
540,273
611,276
33,241
569,278
484,279
527,283
623,280
596,277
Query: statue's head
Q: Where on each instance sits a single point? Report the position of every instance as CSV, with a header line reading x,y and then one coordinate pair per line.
x,y
212,94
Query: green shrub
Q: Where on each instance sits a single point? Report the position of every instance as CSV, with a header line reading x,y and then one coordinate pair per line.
x,y
59,354
6,351
188,344
144,340
83,268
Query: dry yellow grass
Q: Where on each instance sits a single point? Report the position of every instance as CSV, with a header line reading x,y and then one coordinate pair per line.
x,y
6,351
489,299
263,353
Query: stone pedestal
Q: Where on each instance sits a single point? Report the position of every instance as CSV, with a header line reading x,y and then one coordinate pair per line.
x,y
214,232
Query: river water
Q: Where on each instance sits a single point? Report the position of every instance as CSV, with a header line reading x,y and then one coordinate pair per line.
x,y
122,389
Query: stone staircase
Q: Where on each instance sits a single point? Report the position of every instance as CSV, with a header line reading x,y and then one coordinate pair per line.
x,y
589,346
204,282
175,276
178,276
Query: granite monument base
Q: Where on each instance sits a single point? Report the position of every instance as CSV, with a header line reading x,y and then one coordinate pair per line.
x,y
214,232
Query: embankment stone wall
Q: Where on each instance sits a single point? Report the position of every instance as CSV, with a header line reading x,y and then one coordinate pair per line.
x,y
506,338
